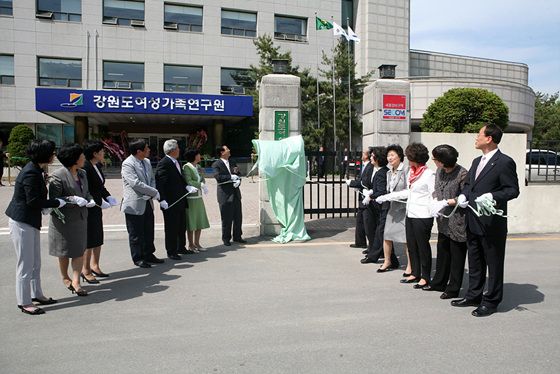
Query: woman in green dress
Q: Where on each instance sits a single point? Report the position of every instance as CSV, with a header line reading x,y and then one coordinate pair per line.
x,y
196,212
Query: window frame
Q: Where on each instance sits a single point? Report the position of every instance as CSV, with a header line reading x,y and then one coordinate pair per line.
x,y
300,38
11,9
177,85
59,15
237,89
125,21
188,27
10,79
124,84
252,33
68,80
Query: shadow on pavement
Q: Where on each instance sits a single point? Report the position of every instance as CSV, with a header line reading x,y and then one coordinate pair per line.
x,y
517,295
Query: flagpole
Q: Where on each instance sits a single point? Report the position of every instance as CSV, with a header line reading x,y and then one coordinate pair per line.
x,y
334,94
349,94
318,101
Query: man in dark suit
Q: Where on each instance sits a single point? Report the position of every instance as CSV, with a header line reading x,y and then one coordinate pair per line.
x,y
321,163
229,197
365,220
491,176
172,189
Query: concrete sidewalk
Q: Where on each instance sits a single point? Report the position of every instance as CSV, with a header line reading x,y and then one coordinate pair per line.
x,y
267,308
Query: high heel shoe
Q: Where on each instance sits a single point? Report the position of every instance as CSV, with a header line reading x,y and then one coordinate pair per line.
x,y
94,281
381,270
100,275
80,292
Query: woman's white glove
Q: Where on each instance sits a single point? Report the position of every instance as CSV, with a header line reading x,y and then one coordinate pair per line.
x,y
381,199
462,201
436,206
112,201
90,204
62,203
204,189
105,205
191,189
79,200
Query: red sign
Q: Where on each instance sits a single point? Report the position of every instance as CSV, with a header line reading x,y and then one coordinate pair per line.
x,y
394,107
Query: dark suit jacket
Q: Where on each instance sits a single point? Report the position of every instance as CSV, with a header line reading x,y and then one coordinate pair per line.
x,y
499,177
96,186
30,196
364,181
170,183
226,191
379,187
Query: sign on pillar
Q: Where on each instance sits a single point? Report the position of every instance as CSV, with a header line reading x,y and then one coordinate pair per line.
x,y
281,124
394,107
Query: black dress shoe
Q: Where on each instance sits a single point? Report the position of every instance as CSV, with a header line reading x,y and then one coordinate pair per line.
x,y
227,244
483,311
365,252
240,240
427,287
445,295
183,251
49,301
465,302
142,264
154,260
380,270
419,286
366,260
34,312
414,280
174,257
358,246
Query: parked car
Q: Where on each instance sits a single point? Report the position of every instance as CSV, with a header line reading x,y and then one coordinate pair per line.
x,y
542,166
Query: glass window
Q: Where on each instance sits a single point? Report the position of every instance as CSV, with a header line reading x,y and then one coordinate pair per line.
x,y
69,134
123,75
51,132
289,28
62,10
235,81
182,78
60,72
7,69
123,12
239,23
6,7
347,12
182,17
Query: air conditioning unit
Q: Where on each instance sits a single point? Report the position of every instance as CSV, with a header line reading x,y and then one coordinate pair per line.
x,y
124,85
110,20
171,26
48,15
137,22
227,90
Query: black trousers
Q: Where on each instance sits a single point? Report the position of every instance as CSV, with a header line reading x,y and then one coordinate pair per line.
x,y
450,265
418,232
365,227
375,248
486,252
232,215
175,227
141,234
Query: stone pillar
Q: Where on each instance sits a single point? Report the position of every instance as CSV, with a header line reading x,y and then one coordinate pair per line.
x,y
278,94
80,129
382,128
218,132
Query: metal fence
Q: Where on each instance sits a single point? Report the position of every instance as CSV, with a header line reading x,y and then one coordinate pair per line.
x,y
542,164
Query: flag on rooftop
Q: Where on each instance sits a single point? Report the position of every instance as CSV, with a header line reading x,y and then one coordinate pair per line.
x,y
352,35
338,30
321,24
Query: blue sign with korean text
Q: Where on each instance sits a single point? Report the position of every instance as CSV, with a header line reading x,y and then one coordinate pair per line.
x,y
69,100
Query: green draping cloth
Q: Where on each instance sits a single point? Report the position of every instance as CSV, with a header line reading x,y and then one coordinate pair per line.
x,y
283,162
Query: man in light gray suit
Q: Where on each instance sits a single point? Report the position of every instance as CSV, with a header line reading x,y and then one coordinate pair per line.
x,y
139,187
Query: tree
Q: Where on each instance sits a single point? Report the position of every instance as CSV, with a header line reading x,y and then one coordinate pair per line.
x,y
465,110
19,139
547,117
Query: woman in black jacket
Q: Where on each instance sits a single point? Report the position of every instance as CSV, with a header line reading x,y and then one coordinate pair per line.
x,y
30,197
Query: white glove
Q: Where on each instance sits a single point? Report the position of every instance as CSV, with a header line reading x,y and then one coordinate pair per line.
x,y
236,183
462,201
157,197
79,200
381,199
191,189
62,203
204,189
366,192
46,211
234,177
90,204
366,200
146,197
104,204
112,201
163,204
436,206
487,195
348,181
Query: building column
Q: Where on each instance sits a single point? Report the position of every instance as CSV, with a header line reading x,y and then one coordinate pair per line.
x,y
218,132
80,129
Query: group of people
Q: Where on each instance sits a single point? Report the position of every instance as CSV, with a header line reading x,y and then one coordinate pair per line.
x,y
75,196
399,203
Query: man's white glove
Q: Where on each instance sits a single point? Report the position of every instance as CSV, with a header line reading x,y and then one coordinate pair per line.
x,y
236,183
204,189
485,196
146,197
462,201
105,204
436,206
79,200
348,181
191,189
234,177
381,199
112,201
90,204
62,203
157,197
163,204
46,211
366,200
366,192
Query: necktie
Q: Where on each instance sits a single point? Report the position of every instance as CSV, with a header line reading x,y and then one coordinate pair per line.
x,y
480,167
178,167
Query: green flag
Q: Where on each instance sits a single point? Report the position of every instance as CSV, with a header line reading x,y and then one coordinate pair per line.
x,y
321,24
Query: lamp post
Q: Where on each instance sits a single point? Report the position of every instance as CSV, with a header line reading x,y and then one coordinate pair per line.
x,y
387,71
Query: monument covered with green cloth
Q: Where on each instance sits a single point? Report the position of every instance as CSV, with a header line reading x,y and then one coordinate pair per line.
x,y
282,163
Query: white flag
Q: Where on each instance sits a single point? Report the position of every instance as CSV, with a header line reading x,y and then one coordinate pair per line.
x,y
337,30
352,35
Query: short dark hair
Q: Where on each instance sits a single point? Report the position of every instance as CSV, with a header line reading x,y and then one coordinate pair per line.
x,y
40,151
369,152
396,148
494,131
219,150
69,154
417,152
446,154
136,145
92,146
380,155
190,154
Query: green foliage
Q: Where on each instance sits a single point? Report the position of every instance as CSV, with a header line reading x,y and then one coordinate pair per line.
x,y
465,110
19,139
547,117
